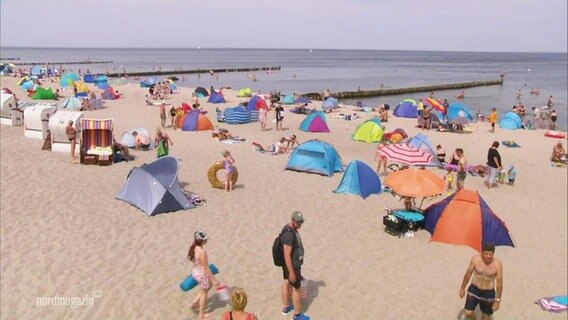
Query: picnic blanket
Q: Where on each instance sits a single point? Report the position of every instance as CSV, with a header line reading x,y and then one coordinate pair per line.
x,y
553,304
234,140
510,144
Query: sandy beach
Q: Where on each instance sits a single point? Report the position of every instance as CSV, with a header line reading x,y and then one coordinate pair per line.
x,y
63,233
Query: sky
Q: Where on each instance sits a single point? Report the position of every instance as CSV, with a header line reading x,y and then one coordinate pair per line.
x,y
437,25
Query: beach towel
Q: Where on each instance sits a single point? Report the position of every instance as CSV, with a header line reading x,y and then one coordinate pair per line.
x,y
233,140
510,144
553,304
271,149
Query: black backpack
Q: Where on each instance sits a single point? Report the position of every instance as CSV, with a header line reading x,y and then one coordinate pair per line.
x,y
278,248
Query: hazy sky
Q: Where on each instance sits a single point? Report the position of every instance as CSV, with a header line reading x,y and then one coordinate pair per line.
x,y
455,25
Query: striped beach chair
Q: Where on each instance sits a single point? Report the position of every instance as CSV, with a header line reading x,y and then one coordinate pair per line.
x,y
96,134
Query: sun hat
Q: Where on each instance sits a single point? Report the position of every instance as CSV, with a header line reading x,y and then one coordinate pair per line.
x,y
200,235
298,217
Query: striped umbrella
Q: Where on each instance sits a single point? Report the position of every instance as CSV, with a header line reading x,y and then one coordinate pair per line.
x,y
434,104
405,153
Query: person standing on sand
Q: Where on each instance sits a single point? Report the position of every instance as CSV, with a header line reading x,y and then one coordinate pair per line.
x,y
462,172
229,169
493,119
279,116
163,115
426,119
381,159
262,115
292,269
494,163
486,285
72,136
173,115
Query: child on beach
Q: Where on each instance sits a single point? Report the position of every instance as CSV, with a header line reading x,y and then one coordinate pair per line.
x,y
493,119
449,177
511,174
229,169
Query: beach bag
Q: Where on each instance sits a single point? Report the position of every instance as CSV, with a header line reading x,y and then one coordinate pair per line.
x,y
281,114
278,250
161,150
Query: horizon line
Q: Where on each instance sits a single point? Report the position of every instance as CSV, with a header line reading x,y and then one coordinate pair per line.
x,y
234,48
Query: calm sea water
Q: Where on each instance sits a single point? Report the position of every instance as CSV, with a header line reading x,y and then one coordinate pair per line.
x,y
346,70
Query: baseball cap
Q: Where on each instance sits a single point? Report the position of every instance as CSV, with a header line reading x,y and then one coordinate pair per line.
x,y
298,217
200,235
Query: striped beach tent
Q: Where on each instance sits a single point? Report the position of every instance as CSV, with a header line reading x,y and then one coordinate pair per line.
x,y
96,140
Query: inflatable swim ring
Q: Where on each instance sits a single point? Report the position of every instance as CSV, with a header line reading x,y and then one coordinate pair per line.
x,y
555,134
212,175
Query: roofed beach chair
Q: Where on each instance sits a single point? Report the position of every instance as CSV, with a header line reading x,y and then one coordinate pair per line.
x,y
96,141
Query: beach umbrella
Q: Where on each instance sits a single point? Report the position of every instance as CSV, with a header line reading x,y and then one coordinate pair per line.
x,y
302,100
405,153
434,104
464,218
415,182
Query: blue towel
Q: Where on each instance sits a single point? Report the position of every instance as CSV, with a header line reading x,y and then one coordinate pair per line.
x,y
190,283
561,299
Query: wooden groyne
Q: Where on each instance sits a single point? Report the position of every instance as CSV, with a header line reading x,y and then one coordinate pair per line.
x,y
192,71
1,58
61,63
398,91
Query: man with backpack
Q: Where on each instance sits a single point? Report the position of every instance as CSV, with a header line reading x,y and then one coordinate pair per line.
x,y
288,253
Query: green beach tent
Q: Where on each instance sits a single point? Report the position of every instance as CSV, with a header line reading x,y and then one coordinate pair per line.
x,y
43,94
244,92
369,131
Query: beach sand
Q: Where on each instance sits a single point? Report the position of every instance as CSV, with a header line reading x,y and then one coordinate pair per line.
x,y
63,233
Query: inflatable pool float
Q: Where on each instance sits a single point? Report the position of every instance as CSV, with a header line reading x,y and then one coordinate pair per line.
x,y
212,175
555,134
190,283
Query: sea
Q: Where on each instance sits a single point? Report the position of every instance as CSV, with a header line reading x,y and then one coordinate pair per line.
x,y
314,70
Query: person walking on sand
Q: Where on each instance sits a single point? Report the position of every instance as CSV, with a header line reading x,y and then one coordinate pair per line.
x,y
486,285
462,172
293,250
72,136
262,115
173,115
162,141
494,163
163,115
201,272
229,169
381,159
493,119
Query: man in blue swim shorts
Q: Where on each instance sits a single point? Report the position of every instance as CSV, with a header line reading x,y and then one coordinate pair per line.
x,y
486,285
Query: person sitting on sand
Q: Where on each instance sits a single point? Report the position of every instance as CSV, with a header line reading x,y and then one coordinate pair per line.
x,y
291,141
238,302
141,141
274,149
383,114
558,153
122,149
222,134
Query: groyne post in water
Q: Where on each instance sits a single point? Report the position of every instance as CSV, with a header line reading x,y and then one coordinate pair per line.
x,y
397,91
192,71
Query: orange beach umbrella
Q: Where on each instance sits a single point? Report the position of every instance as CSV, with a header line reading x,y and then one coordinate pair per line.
x,y
415,182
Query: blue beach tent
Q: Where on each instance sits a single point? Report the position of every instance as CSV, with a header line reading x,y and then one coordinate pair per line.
x,y
154,187
88,78
289,99
454,110
147,83
511,121
422,142
216,97
359,179
406,109
315,156
101,82
237,115
330,103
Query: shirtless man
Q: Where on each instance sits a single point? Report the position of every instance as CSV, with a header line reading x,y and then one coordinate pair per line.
x,y
487,278
141,141
72,136
462,172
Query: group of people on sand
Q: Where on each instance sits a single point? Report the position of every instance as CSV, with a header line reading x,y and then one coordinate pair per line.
x,y
288,249
264,110
283,146
160,91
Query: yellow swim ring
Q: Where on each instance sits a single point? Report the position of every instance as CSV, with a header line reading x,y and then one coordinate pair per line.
x,y
212,175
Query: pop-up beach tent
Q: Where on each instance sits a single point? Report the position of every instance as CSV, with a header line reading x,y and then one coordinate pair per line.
x,y
43,94
330,103
201,92
244,92
422,142
36,120
194,121
89,78
147,83
216,97
315,156
129,140
511,121
154,188
315,122
68,79
256,102
110,94
71,103
454,111
407,108
288,99
359,179
101,82
369,131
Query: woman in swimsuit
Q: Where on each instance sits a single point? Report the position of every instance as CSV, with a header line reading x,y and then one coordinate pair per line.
x,y
381,159
426,118
72,136
229,169
201,272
